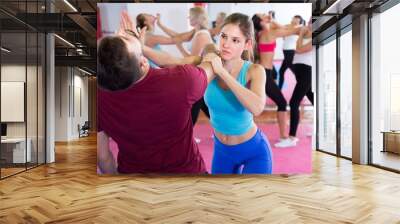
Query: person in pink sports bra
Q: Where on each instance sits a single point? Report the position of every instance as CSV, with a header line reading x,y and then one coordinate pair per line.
x,y
270,47
267,30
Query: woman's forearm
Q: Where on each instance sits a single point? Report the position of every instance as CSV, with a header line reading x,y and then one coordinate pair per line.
x,y
184,37
177,37
167,30
250,100
299,41
183,51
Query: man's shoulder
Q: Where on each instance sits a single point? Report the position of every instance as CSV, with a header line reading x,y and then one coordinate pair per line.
x,y
179,70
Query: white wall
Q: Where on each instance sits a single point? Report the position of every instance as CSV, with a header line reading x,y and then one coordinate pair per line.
x,y
14,72
110,16
215,8
283,11
33,126
80,84
174,15
68,82
61,83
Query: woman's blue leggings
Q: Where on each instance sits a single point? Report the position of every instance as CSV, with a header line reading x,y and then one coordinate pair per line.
x,y
251,157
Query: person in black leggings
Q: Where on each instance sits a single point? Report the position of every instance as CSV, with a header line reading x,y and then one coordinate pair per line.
x,y
289,49
273,91
302,70
302,73
274,74
287,63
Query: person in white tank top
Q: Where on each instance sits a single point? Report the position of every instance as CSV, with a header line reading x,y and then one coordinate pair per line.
x,y
304,57
289,47
302,69
207,37
289,42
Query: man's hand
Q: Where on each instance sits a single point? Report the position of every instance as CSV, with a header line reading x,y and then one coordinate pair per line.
x,y
142,35
127,27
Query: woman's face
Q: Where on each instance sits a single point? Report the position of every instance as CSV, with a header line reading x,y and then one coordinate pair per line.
x,y
194,20
220,19
232,42
265,18
295,21
150,19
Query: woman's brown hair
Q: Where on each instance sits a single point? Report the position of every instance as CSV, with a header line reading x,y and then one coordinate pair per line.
x,y
246,27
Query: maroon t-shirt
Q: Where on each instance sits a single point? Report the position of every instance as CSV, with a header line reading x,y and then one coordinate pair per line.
x,y
151,121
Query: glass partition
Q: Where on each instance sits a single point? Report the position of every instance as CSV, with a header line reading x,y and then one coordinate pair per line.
x,y
327,96
346,93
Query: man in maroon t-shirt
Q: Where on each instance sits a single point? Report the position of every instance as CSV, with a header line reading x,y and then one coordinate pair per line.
x,y
147,111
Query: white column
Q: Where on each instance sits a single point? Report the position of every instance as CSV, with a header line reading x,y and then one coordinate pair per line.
x,y
50,93
50,99
360,90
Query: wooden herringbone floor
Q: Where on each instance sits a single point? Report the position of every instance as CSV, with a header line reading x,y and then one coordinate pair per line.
x,y
69,191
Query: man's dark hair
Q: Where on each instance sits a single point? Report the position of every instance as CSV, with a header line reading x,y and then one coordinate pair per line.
x,y
117,69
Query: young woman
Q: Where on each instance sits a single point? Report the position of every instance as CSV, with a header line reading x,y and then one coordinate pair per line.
x,y
302,69
154,41
201,37
234,97
289,48
266,33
